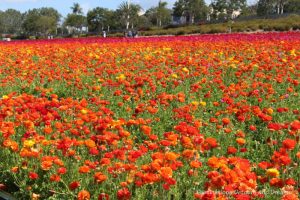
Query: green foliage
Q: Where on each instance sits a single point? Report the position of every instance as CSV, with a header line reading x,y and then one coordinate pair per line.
x,y
45,24
75,20
265,7
128,14
191,9
76,9
42,20
178,8
224,9
249,10
10,21
292,6
101,18
159,15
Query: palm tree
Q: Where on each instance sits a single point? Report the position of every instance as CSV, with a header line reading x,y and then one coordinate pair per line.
x,y
162,11
76,9
129,12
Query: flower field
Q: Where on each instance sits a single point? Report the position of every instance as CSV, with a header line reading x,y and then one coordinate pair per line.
x,y
194,117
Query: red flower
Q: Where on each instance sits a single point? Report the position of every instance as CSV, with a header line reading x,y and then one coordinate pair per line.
x,y
61,170
74,185
225,121
289,144
123,194
242,197
209,195
103,196
252,128
33,175
231,150
55,178
290,181
274,126
212,142
295,125
166,186
264,165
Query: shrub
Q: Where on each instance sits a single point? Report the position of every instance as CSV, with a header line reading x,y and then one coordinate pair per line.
x,y
181,32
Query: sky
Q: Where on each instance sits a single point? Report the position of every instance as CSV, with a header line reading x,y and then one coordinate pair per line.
x,y
63,6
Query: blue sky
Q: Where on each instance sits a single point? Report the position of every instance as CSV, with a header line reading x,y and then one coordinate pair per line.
x,y
63,6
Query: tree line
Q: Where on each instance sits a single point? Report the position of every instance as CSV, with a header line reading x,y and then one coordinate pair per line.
x,y
47,20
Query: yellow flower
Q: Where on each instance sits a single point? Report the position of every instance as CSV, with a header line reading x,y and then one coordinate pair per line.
x,y
121,77
272,172
203,103
4,97
270,111
84,111
174,76
195,103
185,70
233,66
29,143
293,52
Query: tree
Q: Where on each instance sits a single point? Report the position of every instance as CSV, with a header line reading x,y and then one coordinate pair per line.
x,y
150,15
34,18
159,15
75,21
196,9
100,18
265,7
163,14
45,24
279,5
191,9
250,10
128,14
76,9
178,8
292,6
11,21
226,8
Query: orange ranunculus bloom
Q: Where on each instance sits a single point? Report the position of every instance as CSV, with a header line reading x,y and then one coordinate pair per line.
x,y
99,177
241,141
171,156
90,143
83,195
166,172
46,165
84,169
195,164
188,153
